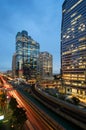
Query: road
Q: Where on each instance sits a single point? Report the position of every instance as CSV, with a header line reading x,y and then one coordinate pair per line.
x,y
34,122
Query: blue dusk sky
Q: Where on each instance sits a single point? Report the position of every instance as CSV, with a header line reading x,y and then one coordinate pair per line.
x,y
42,20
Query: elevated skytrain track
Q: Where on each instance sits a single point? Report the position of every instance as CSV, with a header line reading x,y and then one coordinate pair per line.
x,y
68,111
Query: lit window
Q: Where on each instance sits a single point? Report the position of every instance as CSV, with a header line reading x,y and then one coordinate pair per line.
x,y
75,5
64,10
71,45
64,36
75,19
73,23
68,36
82,66
82,39
72,29
81,27
73,15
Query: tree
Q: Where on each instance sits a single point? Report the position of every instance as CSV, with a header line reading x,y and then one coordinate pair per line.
x,y
4,97
19,117
3,102
19,113
13,103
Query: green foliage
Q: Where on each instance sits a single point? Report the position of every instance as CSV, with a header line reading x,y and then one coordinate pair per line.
x,y
13,103
3,101
18,118
3,96
20,115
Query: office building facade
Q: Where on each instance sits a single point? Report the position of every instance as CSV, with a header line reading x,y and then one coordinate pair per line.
x,y
73,46
14,65
27,51
45,65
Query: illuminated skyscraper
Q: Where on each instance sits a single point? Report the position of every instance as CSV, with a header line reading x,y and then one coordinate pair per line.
x,y
27,51
14,65
45,63
73,46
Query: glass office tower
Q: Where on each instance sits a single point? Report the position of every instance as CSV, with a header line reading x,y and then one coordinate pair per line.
x,y
45,64
21,51
33,53
73,46
27,51
14,65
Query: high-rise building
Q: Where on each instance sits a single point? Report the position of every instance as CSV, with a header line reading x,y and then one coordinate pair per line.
x,y
14,65
45,64
73,46
33,53
27,51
